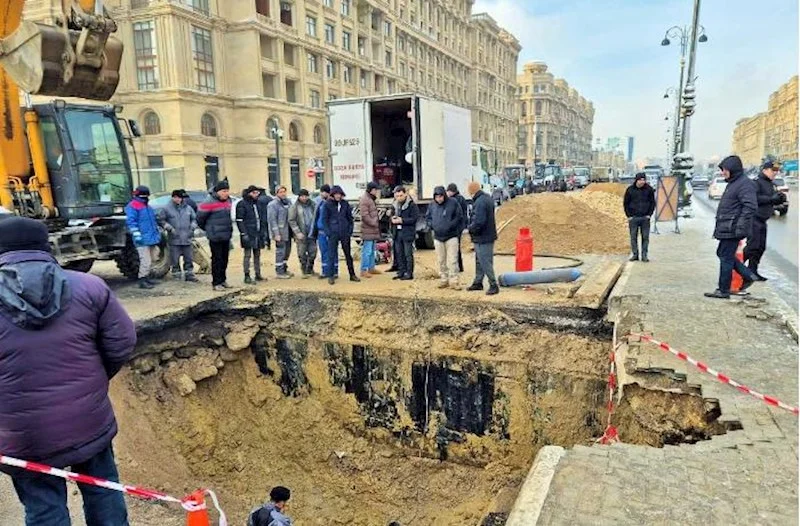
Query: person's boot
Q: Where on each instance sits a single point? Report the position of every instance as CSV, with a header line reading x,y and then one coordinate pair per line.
x,y
374,271
493,289
717,294
283,274
144,284
406,277
331,280
365,274
645,259
634,257
248,280
354,278
259,277
475,286
745,284
192,278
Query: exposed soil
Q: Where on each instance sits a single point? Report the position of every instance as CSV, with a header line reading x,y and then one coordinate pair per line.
x,y
565,224
617,189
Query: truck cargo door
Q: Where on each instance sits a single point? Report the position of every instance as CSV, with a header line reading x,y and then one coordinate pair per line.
x,y
351,150
457,126
430,139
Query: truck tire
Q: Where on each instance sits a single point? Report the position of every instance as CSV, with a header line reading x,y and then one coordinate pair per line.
x,y
425,240
83,265
128,261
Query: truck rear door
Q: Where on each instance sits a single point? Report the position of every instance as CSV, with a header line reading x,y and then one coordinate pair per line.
x,y
351,140
430,137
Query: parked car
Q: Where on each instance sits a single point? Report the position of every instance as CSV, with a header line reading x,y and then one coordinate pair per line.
x,y
160,200
699,181
781,186
581,181
716,188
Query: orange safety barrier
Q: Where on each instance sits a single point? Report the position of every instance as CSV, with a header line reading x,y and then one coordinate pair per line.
x,y
736,278
198,517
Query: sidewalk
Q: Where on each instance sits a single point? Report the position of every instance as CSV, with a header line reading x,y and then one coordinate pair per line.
x,y
743,477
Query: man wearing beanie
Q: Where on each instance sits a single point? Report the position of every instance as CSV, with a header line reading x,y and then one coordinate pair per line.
x,y
319,232
143,226
483,231
253,231
639,204
214,216
338,226
301,221
63,336
453,193
406,214
179,220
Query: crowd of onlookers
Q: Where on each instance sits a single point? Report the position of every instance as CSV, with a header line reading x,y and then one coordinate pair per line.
x,y
321,225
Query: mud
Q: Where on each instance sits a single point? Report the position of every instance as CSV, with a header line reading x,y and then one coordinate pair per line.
x,y
371,410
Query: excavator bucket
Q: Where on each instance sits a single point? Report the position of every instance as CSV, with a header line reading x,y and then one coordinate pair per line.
x,y
49,60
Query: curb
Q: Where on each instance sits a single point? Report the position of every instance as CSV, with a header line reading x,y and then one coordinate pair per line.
x,y
533,493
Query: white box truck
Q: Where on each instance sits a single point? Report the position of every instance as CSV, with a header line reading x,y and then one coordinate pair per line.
x,y
405,139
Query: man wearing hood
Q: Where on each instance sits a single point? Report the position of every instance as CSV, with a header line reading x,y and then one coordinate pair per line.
x,y
767,197
406,214
214,216
639,204
338,227
252,225
483,230
733,223
63,336
446,220
143,226
179,220
278,219
453,193
273,513
370,229
301,221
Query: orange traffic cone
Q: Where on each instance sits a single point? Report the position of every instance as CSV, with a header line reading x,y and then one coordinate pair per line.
x,y
198,517
736,278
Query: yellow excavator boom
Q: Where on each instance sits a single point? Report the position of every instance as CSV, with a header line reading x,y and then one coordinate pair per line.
x,y
76,57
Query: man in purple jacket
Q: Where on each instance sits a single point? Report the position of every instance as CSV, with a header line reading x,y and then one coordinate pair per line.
x,y
63,336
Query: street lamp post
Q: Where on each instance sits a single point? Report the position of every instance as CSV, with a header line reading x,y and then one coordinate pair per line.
x,y
692,61
277,134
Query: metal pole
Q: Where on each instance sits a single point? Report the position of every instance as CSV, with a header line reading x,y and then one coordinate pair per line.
x,y
690,73
678,96
277,158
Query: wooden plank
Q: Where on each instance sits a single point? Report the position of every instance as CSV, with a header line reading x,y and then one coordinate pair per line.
x,y
598,284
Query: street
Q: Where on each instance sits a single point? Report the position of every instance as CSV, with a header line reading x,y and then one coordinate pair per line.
x,y
781,259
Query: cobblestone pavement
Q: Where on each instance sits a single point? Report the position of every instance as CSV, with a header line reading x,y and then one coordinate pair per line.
x,y
743,477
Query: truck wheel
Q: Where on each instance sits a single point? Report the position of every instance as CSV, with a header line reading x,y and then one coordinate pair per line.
x,y
128,261
425,240
83,265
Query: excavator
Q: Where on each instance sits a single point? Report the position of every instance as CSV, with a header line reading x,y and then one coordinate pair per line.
x,y
65,163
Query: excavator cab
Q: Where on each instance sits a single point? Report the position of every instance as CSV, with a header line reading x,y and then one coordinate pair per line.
x,y
76,57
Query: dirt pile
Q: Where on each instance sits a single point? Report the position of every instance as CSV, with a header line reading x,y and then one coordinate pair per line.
x,y
608,188
563,224
608,203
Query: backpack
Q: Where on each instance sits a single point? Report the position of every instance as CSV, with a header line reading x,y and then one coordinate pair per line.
x,y
253,517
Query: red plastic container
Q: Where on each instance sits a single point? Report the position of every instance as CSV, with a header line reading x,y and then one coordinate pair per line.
x,y
524,251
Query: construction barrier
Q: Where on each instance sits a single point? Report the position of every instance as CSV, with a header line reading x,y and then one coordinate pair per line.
x,y
194,504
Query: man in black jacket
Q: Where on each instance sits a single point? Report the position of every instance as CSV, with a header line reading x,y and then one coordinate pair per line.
x,y
253,232
733,223
337,219
406,214
453,193
483,230
639,203
214,216
446,220
767,196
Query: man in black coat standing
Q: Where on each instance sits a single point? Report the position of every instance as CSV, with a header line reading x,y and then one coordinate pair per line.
x,y
406,214
767,196
214,216
733,223
639,203
338,223
253,232
483,230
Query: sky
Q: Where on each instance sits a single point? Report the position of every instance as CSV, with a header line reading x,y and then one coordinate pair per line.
x,y
610,51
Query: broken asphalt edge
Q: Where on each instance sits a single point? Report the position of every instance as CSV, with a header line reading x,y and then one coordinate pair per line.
x,y
533,493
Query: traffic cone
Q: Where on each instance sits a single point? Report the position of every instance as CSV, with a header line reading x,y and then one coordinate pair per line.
x,y
736,278
198,517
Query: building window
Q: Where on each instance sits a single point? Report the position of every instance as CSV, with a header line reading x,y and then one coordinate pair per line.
x,y
286,13
387,28
272,174
402,69
346,41
330,33
313,98
262,7
311,26
318,137
291,90
208,125
328,3
362,46
388,58
294,132
152,124
288,54
144,43
347,74
330,69
155,161
538,107
401,43
203,54
313,67
524,109
345,7
294,174
363,80
198,5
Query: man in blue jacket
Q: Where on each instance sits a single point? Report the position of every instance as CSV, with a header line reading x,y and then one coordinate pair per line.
x,y
446,219
338,226
143,226
733,223
319,232
483,230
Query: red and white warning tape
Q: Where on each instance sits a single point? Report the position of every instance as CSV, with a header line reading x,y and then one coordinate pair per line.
x,y
610,434
719,376
187,503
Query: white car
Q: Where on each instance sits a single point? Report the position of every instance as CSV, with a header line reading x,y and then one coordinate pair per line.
x,y
716,188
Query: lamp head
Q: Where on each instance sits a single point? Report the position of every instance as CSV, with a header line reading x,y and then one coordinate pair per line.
x,y
665,42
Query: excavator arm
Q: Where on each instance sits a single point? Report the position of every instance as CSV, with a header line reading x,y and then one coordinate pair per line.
x,y
76,57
